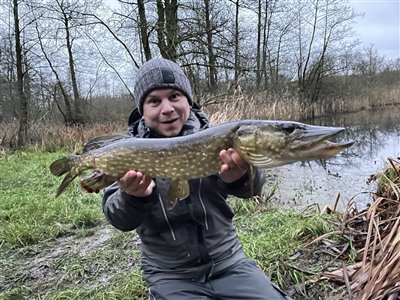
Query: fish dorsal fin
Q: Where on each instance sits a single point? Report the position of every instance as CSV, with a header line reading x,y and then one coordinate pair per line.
x,y
102,141
177,190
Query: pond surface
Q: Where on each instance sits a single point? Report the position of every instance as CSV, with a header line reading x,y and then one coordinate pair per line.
x,y
377,136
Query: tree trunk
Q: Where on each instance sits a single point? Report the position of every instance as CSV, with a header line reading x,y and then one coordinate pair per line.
x,y
264,58
78,116
23,102
144,36
67,115
258,55
162,46
171,18
212,80
237,63
167,28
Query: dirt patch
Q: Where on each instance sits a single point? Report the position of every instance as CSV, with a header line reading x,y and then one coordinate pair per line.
x,y
91,259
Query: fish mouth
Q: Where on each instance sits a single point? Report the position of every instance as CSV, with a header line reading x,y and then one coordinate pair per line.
x,y
314,142
325,149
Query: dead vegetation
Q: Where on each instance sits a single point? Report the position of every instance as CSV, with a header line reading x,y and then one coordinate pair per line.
x,y
50,137
367,258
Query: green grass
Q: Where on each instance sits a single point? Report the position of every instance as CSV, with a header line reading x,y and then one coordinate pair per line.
x,y
29,211
62,248
271,237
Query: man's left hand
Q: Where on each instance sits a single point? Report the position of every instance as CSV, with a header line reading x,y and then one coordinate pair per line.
x,y
232,165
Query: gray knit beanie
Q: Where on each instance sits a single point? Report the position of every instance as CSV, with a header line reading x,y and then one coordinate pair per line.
x,y
160,73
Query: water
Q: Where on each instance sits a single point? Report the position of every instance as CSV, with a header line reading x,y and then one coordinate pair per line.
x,y
377,135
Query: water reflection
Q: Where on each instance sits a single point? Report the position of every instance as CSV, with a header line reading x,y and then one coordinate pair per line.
x,y
377,136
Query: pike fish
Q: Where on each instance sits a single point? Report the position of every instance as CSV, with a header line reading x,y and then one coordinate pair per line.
x,y
261,143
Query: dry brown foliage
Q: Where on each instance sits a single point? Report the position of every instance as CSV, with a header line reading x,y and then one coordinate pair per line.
x,y
253,106
375,235
286,106
51,137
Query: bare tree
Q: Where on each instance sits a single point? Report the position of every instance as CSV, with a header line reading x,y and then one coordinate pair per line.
x,y
274,21
370,62
237,62
327,22
258,46
167,28
210,47
8,110
206,43
291,46
143,25
23,102
68,114
67,17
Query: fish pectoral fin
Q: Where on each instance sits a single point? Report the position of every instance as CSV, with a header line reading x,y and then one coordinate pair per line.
x,y
178,190
96,181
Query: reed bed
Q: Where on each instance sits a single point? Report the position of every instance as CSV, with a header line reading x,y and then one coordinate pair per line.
x,y
254,106
374,233
223,108
286,106
51,137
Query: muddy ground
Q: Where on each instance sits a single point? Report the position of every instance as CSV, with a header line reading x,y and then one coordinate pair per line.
x,y
88,260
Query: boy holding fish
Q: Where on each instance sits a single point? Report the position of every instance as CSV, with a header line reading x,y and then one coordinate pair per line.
x,y
191,251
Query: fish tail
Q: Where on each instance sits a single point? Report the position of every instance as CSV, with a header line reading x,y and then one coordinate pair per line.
x,y
66,181
62,165
66,165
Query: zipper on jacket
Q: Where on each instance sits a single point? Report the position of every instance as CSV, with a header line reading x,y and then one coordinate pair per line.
x,y
166,218
222,197
202,205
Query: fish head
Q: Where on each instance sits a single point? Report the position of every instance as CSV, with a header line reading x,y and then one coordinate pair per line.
x,y
277,143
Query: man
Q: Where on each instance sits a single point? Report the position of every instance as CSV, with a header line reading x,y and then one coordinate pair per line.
x,y
191,251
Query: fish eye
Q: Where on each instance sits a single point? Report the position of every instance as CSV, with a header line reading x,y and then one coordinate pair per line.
x,y
288,128
244,130
239,133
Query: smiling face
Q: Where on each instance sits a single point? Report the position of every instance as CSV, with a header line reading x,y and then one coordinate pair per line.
x,y
165,111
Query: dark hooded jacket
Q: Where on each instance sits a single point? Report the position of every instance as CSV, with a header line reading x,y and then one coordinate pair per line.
x,y
196,239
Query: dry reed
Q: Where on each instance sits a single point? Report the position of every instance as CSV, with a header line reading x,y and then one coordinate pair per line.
x,y
375,233
286,106
255,106
50,137
260,105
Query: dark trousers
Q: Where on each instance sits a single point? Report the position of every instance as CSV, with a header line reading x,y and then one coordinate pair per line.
x,y
245,281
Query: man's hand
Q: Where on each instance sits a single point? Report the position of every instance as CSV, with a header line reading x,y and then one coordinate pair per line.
x,y
232,166
136,184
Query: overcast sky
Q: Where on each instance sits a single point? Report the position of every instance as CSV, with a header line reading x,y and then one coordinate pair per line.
x,y
380,25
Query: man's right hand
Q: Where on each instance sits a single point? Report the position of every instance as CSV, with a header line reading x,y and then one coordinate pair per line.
x,y
136,184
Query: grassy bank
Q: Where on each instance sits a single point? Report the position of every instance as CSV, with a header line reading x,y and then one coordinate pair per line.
x,y
30,213
61,248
